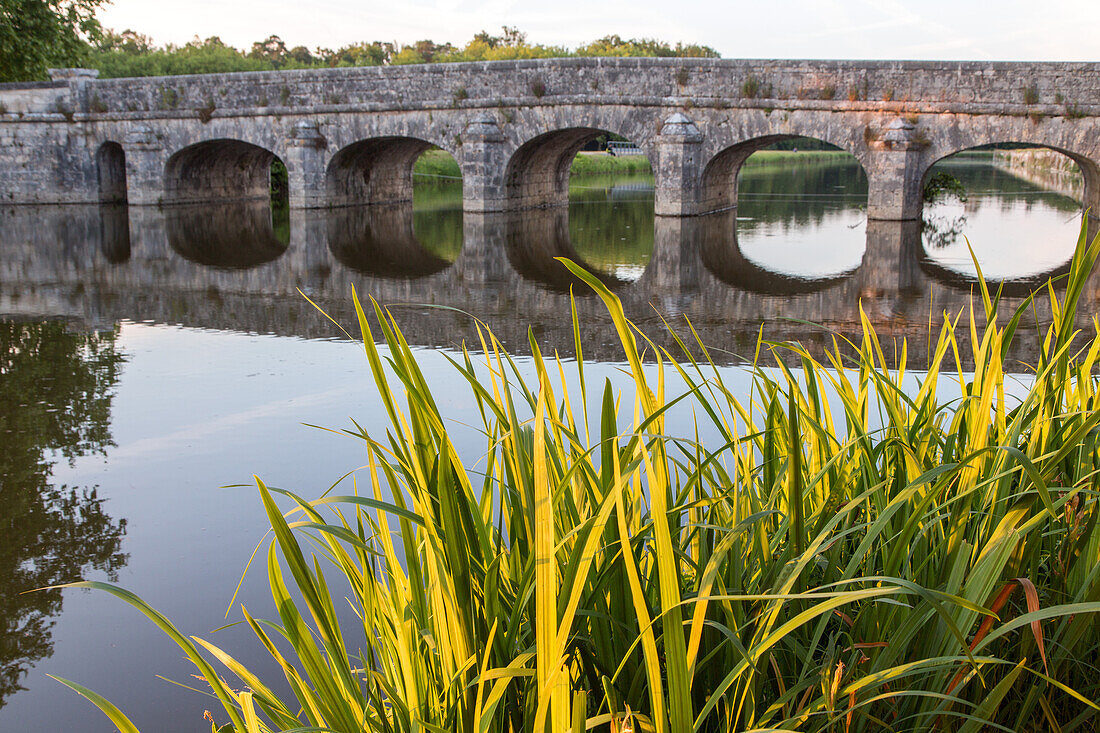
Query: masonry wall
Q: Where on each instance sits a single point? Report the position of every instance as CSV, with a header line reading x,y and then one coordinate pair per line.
x,y
707,82
897,118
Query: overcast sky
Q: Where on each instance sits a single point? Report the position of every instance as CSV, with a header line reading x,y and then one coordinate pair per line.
x,y
1056,30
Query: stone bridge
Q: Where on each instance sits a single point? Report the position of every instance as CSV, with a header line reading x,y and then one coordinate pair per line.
x,y
351,135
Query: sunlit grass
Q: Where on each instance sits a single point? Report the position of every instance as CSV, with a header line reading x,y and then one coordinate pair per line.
x,y
848,555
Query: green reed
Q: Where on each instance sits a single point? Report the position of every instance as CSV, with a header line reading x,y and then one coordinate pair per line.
x,y
850,555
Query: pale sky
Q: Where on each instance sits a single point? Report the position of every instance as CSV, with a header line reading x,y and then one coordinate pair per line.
x,y
1055,30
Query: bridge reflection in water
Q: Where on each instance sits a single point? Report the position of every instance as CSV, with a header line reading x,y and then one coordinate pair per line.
x,y
226,267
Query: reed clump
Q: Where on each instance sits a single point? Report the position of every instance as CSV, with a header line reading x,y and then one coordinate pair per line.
x,y
851,553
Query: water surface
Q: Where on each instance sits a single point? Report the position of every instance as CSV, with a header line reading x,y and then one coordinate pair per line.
x,y
150,357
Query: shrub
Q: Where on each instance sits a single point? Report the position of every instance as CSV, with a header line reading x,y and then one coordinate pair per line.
x,y
1031,94
750,87
206,112
942,185
169,98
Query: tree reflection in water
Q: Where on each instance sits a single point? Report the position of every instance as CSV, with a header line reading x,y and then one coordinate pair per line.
x,y
55,400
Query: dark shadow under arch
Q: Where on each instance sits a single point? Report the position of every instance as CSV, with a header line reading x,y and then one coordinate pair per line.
x,y
374,171
218,171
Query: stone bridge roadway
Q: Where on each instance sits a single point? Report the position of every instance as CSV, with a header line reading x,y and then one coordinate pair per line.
x,y
351,135
222,267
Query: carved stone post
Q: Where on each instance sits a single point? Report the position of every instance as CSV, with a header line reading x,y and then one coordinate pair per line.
x,y
305,166
484,157
678,167
894,173
145,163
78,80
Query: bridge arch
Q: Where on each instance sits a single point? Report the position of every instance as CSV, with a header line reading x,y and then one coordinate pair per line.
x,y
218,170
718,181
537,173
110,163
1088,167
377,170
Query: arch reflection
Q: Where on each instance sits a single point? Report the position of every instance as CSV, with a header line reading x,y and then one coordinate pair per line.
x,y
114,232
1017,287
232,236
534,241
723,257
381,240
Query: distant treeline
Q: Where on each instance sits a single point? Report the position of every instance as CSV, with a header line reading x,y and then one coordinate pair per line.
x,y
132,54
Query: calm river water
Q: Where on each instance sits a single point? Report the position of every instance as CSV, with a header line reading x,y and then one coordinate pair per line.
x,y
150,358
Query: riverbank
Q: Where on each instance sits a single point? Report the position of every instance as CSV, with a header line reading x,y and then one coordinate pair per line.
x,y
440,163
1042,167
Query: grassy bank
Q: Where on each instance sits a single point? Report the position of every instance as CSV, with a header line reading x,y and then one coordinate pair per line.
x,y
789,157
848,551
440,163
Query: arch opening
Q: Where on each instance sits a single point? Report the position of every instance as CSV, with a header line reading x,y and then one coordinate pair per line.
x,y
389,170
799,205
399,207
540,172
111,173
607,182
224,170
1002,200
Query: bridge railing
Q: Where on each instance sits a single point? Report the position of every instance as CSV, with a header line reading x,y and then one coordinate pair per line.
x,y
622,148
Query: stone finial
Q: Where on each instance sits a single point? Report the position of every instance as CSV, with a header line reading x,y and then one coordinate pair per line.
x,y
680,128
142,137
72,74
900,134
307,134
483,127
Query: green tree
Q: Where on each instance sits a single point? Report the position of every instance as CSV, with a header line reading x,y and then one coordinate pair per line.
x,y
38,34
271,49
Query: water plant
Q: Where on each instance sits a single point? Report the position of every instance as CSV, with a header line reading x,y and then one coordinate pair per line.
x,y
850,550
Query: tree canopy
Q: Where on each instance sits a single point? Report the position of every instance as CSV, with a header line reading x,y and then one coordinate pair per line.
x,y
38,34
132,54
